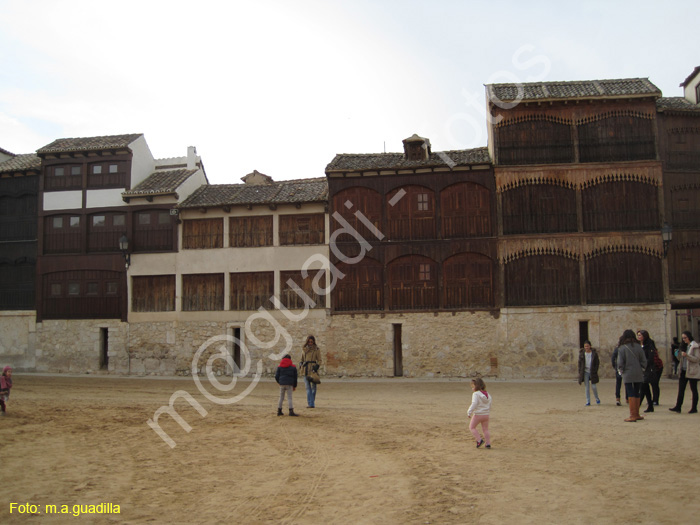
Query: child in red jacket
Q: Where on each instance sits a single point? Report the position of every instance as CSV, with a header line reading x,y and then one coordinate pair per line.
x,y
286,377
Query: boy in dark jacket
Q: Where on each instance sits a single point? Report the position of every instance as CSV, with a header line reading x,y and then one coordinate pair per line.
x,y
286,377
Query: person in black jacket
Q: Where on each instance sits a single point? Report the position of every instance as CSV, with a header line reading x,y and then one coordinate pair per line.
x,y
650,371
618,377
286,377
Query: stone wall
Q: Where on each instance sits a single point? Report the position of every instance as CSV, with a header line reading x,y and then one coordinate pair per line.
x,y
18,339
515,343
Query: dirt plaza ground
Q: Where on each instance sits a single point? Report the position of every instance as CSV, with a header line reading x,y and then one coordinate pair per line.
x,y
373,451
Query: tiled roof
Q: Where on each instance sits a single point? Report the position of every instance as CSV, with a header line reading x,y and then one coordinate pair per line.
x,y
282,192
89,143
160,182
3,150
676,104
24,162
583,89
385,161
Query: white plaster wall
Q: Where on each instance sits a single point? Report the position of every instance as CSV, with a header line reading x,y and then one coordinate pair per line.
x,y
104,198
63,200
192,183
142,162
689,90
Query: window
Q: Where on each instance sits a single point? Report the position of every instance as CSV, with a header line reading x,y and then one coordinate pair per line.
x,y
81,294
468,281
252,290
539,208
302,229
357,206
607,206
623,277
291,281
362,288
104,232
538,140
202,234
202,292
542,280
422,201
154,231
62,234
63,177
406,221
153,293
617,138
107,174
466,211
250,231
424,272
17,285
413,283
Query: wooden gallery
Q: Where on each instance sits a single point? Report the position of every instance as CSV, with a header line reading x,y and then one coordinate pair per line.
x,y
580,218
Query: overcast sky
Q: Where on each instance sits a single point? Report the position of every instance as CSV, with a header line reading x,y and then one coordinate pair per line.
x,y
282,86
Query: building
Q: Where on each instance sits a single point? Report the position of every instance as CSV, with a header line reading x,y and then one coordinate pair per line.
x,y
577,220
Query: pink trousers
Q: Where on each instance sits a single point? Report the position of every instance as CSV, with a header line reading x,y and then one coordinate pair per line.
x,y
484,420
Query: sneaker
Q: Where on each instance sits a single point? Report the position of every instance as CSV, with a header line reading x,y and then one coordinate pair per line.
x,y
480,443
488,446
619,404
675,409
588,404
597,401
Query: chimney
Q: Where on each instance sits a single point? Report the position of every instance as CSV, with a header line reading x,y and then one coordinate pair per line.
x,y
191,158
416,148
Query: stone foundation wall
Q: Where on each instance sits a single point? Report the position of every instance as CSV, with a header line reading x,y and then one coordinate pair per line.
x,y
515,343
18,339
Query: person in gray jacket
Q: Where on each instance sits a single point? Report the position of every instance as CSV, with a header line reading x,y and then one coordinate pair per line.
x,y
631,363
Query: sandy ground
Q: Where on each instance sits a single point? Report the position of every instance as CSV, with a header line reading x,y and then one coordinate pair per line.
x,y
389,451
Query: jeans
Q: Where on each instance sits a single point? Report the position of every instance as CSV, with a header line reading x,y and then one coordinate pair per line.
x,y
587,381
286,389
682,382
618,385
633,389
310,392
655,386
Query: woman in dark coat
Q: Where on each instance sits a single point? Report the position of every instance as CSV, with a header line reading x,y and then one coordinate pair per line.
x,y
649,349
588,363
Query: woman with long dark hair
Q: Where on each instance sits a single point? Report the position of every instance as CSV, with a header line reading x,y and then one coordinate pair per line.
x,y
690,371
650,351
631,363
310,364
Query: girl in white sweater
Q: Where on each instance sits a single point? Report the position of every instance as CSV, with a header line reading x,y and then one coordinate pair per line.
x,y
479,412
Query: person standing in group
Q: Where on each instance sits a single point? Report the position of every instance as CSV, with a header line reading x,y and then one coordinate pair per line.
x,y
479,412
631,363
310,364
690,371
618,377
674,357
658,371
5,386
649,349
286,377
588,363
